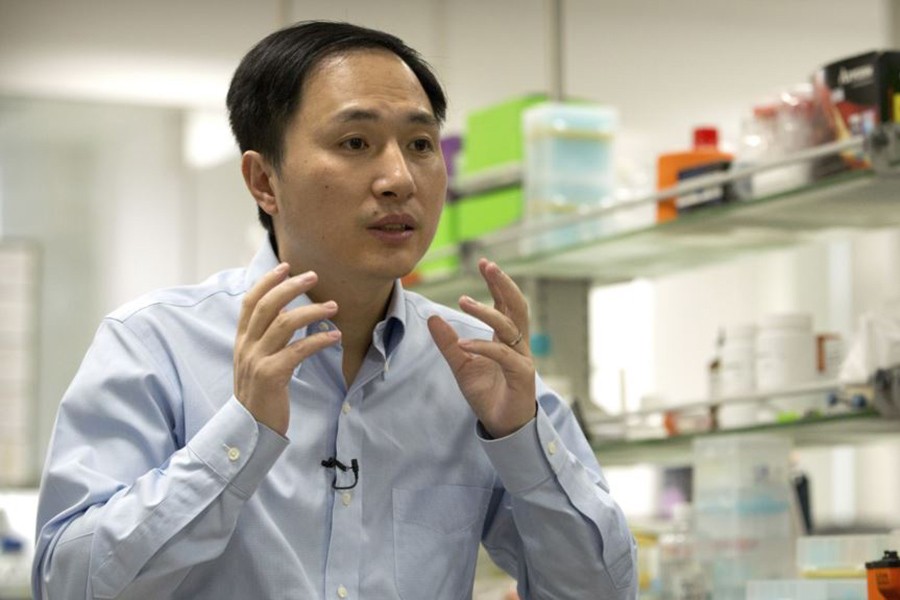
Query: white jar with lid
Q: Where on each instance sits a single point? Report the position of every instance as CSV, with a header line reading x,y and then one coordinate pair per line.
x,y
785,351
737,375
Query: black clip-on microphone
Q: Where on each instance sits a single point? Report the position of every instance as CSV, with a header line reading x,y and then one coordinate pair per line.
x,y
332,462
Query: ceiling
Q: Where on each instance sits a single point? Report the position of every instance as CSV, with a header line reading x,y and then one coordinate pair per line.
x,y
165,52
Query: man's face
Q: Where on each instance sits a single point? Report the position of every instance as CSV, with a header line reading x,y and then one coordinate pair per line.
x,y
363,181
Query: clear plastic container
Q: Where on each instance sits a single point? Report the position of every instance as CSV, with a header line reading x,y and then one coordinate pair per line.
x,y
742,510
568,168
799,589
841,556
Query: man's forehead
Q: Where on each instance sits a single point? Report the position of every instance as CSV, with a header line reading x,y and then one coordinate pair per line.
x,y
354,114
365,85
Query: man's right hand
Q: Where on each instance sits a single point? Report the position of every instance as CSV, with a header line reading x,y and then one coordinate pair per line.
x,y
263,359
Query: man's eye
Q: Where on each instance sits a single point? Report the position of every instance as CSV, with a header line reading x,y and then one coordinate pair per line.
x,y
422,145
356,143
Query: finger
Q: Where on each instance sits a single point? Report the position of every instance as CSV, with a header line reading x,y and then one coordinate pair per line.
x,y
504,328
287,322
263,285
274,300
295,353
508,298
446,339
508,359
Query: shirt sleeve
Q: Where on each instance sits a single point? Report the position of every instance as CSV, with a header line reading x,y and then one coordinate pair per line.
x,y
556,528
125,507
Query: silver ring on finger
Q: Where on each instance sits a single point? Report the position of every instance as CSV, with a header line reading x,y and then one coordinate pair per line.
x,y
513,343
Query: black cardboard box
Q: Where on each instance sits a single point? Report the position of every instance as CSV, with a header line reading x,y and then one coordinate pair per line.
x,y
854,95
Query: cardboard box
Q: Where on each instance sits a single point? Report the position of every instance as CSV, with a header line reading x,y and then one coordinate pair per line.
x,y
854,95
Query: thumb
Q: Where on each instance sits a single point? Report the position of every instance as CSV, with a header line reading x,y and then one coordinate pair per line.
x,y
447,341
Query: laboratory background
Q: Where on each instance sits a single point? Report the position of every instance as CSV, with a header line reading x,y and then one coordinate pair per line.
x,y
731,347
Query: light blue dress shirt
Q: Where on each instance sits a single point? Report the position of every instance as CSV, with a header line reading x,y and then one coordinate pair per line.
x,y
159,484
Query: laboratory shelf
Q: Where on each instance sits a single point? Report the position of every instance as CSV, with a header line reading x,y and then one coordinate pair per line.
x,y
613,245
622,242
845,414
828,430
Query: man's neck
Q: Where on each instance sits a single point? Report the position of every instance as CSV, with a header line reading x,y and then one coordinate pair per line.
x,y
360,309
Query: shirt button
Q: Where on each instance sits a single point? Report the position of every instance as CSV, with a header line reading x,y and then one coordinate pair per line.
x,y
233,454
346,408
346,498
342,591
551,448
323,326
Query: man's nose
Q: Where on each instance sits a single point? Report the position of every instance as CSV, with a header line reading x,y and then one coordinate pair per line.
x,y
394,179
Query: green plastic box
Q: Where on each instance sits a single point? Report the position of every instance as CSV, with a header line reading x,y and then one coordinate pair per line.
x,y
483,213
493,135
446,235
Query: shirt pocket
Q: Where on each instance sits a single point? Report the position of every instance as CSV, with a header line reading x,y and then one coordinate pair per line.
x,y
436,535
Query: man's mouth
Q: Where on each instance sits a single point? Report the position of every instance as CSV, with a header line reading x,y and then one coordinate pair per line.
x,y
392,227
394,223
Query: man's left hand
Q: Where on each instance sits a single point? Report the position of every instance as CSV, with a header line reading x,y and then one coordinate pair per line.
x,y
496,377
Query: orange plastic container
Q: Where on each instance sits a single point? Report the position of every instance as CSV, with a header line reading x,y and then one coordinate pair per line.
x,y
671,165
883,577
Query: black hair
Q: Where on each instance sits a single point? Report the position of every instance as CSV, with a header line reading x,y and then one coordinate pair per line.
x,y
265,90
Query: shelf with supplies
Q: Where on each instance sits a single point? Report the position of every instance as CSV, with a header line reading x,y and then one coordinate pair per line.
x,y
610,245
849,415
613,244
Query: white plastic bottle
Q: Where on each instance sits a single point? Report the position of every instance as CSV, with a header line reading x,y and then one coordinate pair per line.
x,y
738,376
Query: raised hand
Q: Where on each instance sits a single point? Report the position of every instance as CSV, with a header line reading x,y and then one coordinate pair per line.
x,y
263,358
496,377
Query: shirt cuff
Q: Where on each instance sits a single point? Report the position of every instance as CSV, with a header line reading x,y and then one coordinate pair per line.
x,y
240,450
528,457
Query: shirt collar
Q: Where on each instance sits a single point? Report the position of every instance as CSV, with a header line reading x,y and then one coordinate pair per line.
x,y
390,332
387,334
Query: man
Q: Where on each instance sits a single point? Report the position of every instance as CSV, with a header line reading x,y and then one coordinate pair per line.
x,y
305,427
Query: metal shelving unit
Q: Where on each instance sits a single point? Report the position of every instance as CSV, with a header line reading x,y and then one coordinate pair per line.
x,y
610,245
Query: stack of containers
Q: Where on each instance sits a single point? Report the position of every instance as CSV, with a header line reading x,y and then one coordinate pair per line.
x,y
568,171
743,511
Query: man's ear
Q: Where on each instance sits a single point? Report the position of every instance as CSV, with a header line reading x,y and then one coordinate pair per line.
x,y
259,176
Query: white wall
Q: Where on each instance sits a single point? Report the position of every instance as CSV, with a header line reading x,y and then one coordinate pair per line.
x,y
100,189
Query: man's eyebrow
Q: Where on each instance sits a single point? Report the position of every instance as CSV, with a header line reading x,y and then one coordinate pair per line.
x,y
419,117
